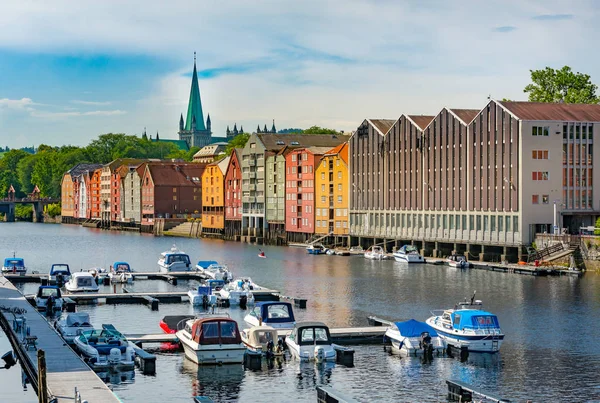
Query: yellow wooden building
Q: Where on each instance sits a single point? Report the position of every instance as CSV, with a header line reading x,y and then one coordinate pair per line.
x,y
213,193
332,194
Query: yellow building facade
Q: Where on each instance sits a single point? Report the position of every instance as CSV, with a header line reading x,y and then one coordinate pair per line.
x,y
67,205
332,192
213,194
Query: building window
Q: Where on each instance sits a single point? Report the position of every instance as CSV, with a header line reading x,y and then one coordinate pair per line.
x,y
535,199
252,145
539,176
339,174
340,187
539,154
322,175
175,197
540,131
339,199
545,199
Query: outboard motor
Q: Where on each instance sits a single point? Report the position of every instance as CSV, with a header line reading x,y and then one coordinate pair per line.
x,y
319,354
243,301
205,302
60,280
280,345
50,302
270,348
426,344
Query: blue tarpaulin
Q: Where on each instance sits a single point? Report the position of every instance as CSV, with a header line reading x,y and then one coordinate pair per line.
x,y
414,328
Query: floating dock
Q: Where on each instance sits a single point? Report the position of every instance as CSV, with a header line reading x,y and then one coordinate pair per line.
x,y
66,372
463,392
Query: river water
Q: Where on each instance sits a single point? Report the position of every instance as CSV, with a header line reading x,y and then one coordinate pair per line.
x,y
551,324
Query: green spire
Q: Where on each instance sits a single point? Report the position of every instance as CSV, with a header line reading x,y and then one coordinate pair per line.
x,y
195,105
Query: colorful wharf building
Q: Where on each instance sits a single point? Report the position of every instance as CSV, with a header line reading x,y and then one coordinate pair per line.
x,y
233,197
213,206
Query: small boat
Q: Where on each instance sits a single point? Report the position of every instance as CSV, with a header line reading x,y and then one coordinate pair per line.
x,y
311,341
59,274
105,347
212,339
14,265
82,282
120,273
238,292
95,272
73,325
408,254
263,339
375,253
330,252
49,299
278,315
316,249
203,296
413,337
468,325
218,272
262,254
170,324
342,252
174,260
458,261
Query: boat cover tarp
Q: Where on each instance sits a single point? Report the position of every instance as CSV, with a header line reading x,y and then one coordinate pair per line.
x,y
275,312
474,319
121,266
13,261
414,328
78,319
205,263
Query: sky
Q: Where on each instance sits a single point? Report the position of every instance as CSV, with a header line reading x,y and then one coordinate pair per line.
x,y
70,71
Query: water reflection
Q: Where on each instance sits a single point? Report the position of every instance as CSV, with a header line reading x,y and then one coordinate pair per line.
x,y
222,383
311,374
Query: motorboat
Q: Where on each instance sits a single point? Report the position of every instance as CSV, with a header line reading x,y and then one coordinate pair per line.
x,y
82,281
264,340
311,341
278,315
120,272
356,250
202,296
59,274
96,272
203,264
105,347
238,292
458,261
375,253
14,265
342,252
169,323
413,337
174,260
49,299
73,325
330,252
218,272
408,254
316,249
212,339
468,325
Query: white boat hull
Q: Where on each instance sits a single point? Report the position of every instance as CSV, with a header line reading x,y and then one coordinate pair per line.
x,y
211,354
197,299
410,345
177,266
120,277
311,352
409,258
18,270
374,256
41,303
73,289
481,340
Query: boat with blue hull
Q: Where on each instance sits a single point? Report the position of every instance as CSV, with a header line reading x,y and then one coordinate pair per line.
x,y
468,325
316,249
14,265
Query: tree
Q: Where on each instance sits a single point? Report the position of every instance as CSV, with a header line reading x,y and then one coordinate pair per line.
x,y
291,130
319,130
24,170
24,212
53,210
597,227
8,172
238,141
562,85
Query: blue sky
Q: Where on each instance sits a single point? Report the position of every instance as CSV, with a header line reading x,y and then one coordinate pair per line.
x,y
71,71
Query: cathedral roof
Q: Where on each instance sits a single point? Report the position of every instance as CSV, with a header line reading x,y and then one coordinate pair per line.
x,y
194,111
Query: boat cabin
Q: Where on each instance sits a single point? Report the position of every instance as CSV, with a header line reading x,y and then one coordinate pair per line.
x,y
204,264
470,319
14,263
47,291
60,269
121,267
261,336
311,333
78,319
273,312
409,249
176,257
84,279
103,340
414,328
214,331
214,285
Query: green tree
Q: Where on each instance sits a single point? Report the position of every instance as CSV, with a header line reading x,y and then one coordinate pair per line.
x,y
24,212
41,175
319,130
8,172
238,141
53,210
24,170
597,227
549,85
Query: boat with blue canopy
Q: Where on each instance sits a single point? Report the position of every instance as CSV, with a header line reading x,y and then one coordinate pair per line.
x,y
14,265
278,315
174,260
468,325
413,337
120,272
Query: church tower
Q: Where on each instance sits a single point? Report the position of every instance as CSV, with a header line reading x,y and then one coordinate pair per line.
x,y
193,130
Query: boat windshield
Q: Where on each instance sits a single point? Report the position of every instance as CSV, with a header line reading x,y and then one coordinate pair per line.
x,y
122,267
84,281
60,269
278,312
49,292
411,249
178,258
314,335
13,262
263,336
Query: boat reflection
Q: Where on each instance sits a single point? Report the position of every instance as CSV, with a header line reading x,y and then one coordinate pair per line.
x,y
116,377
311,374
219,382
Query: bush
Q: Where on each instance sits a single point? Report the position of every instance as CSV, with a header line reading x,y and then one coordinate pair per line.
x,y
53,210
597,227
24,211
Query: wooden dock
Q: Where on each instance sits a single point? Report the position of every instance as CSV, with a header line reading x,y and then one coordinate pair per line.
x,y
66,371
463,392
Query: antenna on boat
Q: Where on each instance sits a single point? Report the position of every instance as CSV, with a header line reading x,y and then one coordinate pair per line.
x,y
473,297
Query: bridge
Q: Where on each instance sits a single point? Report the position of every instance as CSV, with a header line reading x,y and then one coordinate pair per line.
x,y
7,206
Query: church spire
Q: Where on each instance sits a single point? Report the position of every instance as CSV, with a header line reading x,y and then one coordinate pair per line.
x,y
258,129
273,127
181,123
194,112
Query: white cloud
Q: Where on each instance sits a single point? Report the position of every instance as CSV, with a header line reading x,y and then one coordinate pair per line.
x,y
93,103
23,103
60,115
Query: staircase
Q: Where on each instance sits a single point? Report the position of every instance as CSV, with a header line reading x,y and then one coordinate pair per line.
x,y
186,229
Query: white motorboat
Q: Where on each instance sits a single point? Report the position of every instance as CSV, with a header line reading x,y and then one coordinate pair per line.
x,y
49,299
202,296
174,260
458,261
213,339
73,325
14,265
468,325
278,315
120,272
413,337
311,341
105,347
238,292
408,254
218,272
375,253
82,281
263,339
59,274
316,249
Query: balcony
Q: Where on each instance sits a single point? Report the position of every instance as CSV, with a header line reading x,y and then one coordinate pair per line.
x,y
260,187
252,187
252,175
249,199
252,163
245,175
260,199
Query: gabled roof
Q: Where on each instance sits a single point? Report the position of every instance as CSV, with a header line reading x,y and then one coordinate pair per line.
x,y
275,142
211,150
421,121
382,125
123,161
80,169
553,111
176,174
221,164
341,150
465,115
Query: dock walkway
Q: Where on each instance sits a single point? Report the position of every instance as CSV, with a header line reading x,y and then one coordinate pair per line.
x,y
65,370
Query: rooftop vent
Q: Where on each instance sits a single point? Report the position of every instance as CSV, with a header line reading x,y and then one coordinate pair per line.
x,y
294,143
280,142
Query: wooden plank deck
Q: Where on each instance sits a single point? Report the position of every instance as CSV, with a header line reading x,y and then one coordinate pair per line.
x,y
65,369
